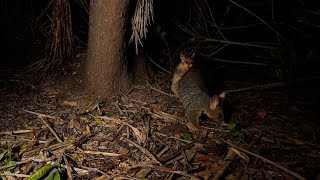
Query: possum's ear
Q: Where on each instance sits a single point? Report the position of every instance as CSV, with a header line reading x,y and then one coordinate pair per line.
x,y
222,95
214,102
182,57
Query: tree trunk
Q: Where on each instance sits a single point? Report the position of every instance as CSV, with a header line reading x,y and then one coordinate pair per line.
x,y
106,70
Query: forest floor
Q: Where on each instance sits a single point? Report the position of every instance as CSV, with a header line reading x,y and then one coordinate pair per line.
x,y
140,134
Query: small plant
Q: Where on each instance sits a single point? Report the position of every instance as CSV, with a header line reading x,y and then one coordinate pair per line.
x,y
235,130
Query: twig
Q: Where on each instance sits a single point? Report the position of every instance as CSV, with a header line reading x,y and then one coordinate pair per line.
x,y
47,116
52,131
165,149
266,160
67,167
117,177
214,22
40,114
14,174
162,92
93,169
144,150
225,41
141,136
264,86
236,62
200,13
119,109
159,65
172,137
161,115
98,153
179,139
237,43
216,50
130,158
16,132
68,144
264,22
174,154
216,129
18,163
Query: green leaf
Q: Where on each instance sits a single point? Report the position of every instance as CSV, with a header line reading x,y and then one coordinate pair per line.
x,y
24,146
41,172
10,163
83,118
2,155
54,176
88,129
99,121
57,176
187,137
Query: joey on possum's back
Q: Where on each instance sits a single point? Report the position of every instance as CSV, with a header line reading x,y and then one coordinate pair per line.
x,y
182,68
196,100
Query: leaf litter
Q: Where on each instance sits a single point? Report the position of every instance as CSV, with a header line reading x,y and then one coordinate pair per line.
x,y
142,135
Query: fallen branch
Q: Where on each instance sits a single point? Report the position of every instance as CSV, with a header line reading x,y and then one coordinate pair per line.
x,y
266,160
231,157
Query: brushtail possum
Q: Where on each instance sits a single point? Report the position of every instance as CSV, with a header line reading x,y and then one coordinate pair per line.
x,y
196,100
182,68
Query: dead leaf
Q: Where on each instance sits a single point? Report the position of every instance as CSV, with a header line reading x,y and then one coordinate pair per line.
x,y
203,158
207,172
123,150
141,137
68,103
210,170
156,106
75,124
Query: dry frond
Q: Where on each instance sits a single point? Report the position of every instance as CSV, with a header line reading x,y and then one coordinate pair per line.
x,y
55,24
60,40
143,17
84,5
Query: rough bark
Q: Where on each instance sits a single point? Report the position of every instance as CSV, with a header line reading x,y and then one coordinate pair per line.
x,y
106,69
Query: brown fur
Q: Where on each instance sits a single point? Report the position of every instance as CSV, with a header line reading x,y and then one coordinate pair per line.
x,y
196,100
182,68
